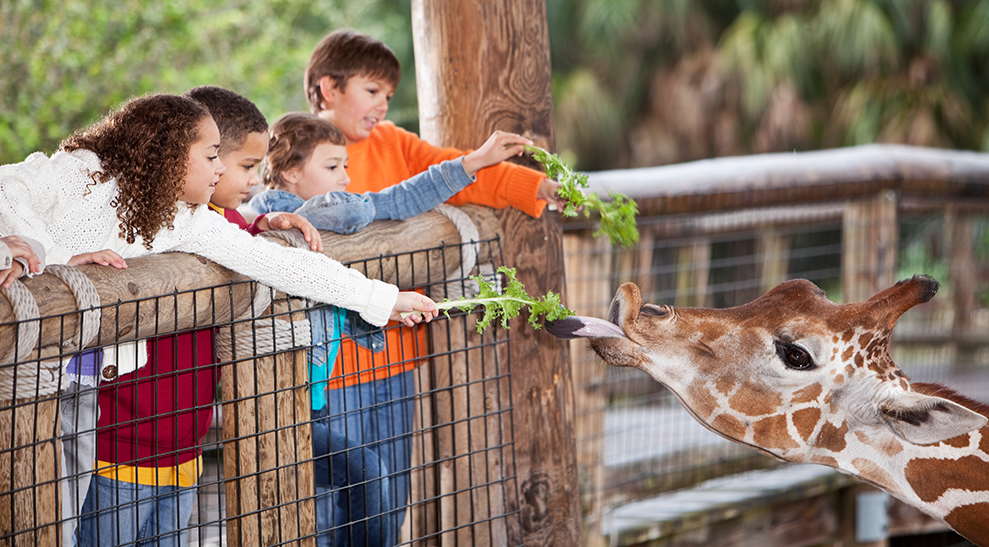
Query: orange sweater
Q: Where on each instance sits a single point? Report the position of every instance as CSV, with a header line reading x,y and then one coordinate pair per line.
x,y
389,156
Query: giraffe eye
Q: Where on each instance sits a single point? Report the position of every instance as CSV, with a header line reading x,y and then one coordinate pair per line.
x,y
794,356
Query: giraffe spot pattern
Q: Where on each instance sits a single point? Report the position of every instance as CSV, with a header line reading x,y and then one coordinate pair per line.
x,y
755,400
824,460
960,441
960,473
771,433
729,426
725,384
889,449
832,438
805,420
870,471
969,520
807,394
702,401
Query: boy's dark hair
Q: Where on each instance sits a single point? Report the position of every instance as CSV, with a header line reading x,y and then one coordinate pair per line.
x,y
144,146
294,136
343,54
235,115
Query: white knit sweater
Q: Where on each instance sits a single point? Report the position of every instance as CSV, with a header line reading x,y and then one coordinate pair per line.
x,y
46,199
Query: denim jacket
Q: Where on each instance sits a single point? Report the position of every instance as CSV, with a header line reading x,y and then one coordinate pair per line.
x,y
346,213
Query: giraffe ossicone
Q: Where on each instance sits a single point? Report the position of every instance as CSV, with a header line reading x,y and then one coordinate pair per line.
x,y
796,376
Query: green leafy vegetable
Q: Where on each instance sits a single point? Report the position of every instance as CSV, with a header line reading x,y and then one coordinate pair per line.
x,y
508,305
617,215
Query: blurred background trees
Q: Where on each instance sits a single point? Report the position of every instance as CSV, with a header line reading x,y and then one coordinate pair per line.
x,y
636,82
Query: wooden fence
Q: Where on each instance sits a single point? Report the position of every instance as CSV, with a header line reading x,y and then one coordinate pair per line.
x,y
466,477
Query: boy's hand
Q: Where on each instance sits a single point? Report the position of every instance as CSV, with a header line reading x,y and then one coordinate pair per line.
x,y
10,274
422,307
106,257
549,192
284,221
20,249
499,147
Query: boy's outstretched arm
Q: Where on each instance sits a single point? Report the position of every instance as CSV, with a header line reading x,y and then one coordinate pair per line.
x,y
499,147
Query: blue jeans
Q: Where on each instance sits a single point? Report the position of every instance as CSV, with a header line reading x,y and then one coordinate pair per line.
x,y
379,416
351,483
125,513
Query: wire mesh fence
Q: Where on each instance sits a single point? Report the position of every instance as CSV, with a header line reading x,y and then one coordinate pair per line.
x,y
634,440
271,420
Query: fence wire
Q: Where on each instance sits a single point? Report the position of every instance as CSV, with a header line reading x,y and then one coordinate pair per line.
x,y
213,436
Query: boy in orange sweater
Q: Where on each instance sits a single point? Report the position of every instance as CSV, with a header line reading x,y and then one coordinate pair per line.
x,y
349,80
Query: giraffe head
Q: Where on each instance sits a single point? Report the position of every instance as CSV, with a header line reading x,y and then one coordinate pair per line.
x,y
791,373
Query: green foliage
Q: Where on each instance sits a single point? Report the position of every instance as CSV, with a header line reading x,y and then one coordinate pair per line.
x,y
617,215
507,306
67,63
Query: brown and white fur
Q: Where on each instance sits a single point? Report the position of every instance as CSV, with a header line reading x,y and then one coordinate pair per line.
x,y
803,379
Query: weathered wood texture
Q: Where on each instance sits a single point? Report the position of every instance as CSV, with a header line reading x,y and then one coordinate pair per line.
x,y
481,66
29,467
763,180
135,308
267,457
869,246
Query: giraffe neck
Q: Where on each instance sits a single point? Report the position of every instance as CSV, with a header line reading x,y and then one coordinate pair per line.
x,y
948,480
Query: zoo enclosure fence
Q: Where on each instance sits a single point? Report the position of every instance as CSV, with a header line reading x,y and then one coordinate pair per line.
x,y
720,233
257,464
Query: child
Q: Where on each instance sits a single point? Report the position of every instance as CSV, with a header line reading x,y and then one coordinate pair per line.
x,y
354,472
305,172
108,198
349,80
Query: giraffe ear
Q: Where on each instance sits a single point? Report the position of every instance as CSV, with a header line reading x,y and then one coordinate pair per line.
x,y
924,419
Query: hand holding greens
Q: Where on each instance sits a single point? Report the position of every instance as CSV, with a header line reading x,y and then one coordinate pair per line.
x,y
508,305
617,215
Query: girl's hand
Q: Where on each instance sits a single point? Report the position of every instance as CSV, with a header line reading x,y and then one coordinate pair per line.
x,y
285,221
105,257
10,274
20,249
549,192
499,147
424,309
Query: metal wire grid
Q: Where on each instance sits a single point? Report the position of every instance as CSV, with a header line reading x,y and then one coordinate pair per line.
x,y
463,421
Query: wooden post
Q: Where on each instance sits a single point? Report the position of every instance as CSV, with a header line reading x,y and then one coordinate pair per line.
x,y
589,293
869,246
267,457
484,65
30,463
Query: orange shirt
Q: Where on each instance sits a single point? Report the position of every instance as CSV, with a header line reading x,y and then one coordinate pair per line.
x,y
389,156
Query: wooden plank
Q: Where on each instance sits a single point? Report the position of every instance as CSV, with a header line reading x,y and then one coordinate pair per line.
x,y
268,449
588,292
481,66
30,463
135,308
869,247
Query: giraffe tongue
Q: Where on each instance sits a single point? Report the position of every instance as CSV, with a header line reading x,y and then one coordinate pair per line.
x,y
578,326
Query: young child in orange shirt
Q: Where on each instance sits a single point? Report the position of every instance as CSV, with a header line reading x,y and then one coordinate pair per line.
x,y
349,79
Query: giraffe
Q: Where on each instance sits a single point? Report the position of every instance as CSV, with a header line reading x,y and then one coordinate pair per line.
x,y
800,378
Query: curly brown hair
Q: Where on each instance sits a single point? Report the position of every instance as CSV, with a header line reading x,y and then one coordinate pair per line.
x,y
144,146
294,136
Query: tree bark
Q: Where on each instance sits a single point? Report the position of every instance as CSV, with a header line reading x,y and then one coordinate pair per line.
x,y
482,66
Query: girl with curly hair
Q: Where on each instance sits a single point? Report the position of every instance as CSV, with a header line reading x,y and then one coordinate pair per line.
x,y
135,183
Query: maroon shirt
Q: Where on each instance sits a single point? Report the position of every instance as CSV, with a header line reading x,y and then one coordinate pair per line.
x,y
157,415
